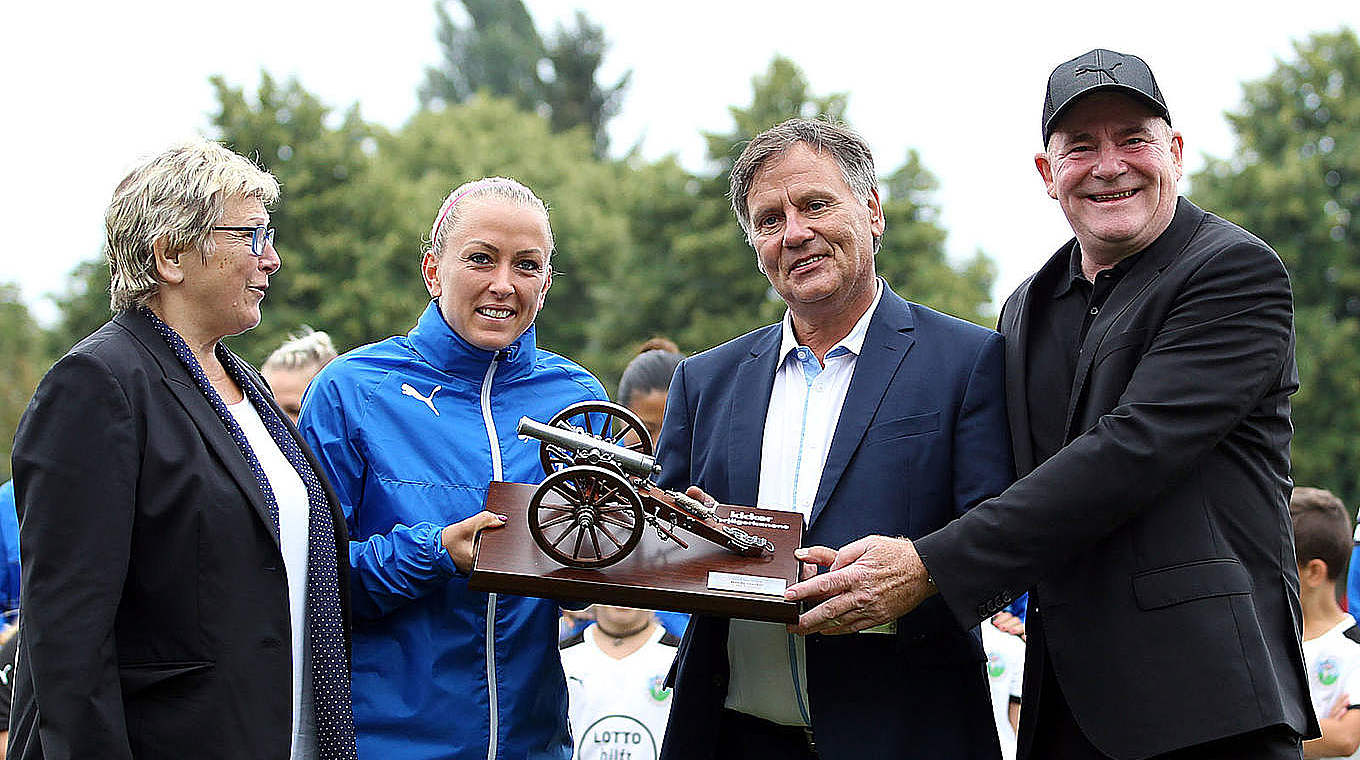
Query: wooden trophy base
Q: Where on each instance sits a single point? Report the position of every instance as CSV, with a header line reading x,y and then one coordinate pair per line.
x,y
658,575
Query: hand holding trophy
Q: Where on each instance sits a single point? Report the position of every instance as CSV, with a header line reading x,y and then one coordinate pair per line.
x,y
588,523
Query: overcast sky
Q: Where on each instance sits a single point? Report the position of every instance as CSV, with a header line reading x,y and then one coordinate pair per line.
x,y
88,89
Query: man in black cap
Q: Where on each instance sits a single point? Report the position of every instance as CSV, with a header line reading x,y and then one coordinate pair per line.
x,y
1149,367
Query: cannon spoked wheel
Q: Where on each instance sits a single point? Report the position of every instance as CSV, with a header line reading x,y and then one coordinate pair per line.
x,y
602,419
586,516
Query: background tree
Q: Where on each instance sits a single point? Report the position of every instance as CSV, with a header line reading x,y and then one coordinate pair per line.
x,y
501,53
335,218
780,94
1294,179
573,94
913,258
357,202
498,54
643,248
25,354
335,227
84,305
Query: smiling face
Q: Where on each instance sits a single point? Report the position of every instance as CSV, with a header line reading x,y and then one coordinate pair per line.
x,y
1113,166
813,237
222,290
492,273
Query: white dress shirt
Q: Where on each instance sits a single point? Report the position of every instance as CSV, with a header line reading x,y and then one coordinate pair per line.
x,y
767,670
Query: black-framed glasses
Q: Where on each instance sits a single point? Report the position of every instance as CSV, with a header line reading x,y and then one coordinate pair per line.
x,y
260,237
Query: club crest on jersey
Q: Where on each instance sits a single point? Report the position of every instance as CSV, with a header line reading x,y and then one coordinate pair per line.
x,y
996,666
658,689
1328,671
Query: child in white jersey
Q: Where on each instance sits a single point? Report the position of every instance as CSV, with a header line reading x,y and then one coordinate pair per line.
x,y
1005,673
1331,640
617,701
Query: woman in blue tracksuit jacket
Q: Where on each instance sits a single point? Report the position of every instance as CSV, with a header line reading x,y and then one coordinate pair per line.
x,y
411,430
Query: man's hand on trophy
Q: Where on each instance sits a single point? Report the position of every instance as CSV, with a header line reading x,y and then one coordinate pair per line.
x,y
459,537
870,581
697,493
1008,623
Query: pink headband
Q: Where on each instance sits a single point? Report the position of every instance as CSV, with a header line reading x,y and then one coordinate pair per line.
x,y
448,204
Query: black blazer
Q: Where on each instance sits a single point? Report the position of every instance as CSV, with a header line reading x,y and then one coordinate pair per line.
x,y
921,438
155,608
1158,540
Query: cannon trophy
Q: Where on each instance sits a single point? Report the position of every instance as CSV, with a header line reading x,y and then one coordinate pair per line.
x,y
598,495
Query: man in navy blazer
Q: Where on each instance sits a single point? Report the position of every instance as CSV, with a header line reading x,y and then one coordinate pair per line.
x,y
873,417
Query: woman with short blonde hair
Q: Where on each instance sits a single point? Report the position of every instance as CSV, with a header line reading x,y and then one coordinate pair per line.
x,y
184,560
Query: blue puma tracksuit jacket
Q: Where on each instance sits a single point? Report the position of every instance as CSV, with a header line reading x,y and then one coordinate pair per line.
x,y
410,431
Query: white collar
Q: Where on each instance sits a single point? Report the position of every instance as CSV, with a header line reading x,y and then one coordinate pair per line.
x,y
852,343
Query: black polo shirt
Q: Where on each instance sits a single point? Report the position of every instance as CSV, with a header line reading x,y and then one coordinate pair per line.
x,y
1064,306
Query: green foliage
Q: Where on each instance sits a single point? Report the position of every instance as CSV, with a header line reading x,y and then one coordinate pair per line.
x,y
502,54
499,54
643,248
358,203
337,238
913,258
84,306
573,95
778,95
1294,180
1327,406
336,235
24,358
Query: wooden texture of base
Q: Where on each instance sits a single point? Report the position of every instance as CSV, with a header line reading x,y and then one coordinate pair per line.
x,y
657,575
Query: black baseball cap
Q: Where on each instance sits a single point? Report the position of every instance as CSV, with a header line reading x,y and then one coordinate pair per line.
x,y
1099,70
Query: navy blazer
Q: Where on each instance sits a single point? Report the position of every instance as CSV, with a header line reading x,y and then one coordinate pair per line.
x,y
922,437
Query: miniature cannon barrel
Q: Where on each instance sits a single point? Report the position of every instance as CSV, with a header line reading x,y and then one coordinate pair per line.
x,y
633,462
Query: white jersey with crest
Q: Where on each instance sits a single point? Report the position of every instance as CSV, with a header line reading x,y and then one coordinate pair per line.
x,y
1005,674
617,708
1333,661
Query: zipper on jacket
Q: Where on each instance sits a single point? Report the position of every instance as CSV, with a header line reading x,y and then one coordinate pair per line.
x,y
491,675
493,439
